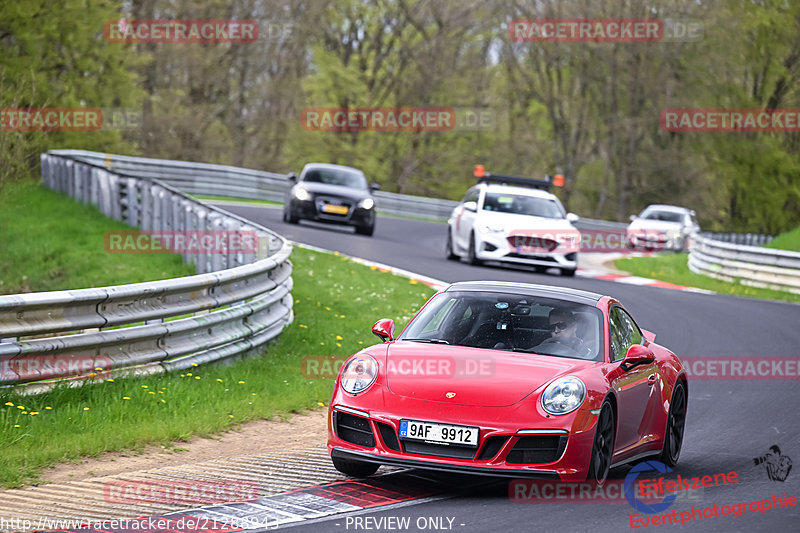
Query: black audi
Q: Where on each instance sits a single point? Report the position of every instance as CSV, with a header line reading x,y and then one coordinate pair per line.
x,y
331,193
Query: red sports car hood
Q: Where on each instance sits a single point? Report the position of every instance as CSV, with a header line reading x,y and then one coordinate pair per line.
x,y
489,378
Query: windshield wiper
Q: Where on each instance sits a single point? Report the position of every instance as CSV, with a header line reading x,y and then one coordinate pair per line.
x,y
429,341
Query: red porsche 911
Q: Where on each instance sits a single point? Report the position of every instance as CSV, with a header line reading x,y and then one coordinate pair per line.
x,y
510,379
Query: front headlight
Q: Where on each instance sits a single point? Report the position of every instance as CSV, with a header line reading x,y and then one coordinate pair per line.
x,y
487,228
366,203
359,374
563,396
301,194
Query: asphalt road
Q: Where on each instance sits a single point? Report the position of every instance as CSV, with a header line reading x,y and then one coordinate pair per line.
x,y
729,422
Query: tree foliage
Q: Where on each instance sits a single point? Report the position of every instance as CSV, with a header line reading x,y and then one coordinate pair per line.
x,y
589,110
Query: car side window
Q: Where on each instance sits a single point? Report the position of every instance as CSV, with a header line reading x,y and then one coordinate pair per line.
x,y
623,331
471,196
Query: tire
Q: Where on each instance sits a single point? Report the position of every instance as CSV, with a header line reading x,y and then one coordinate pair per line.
x,y
449,250
354,468
676,423
568,272
289,217
365,230
472,259
603,445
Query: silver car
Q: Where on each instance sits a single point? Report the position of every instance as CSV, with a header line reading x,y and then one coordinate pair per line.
x,y
662,227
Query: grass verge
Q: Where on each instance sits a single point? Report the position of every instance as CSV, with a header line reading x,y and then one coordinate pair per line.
x,y
50,242
336,303
674,268
789,240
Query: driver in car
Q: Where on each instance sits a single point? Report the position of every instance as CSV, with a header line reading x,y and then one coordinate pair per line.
x,y
564,331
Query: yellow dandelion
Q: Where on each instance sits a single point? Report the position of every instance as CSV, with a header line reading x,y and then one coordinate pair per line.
x,y
252,394
16,425
413,281
85,408
145,387
111,380
126,397
189,374
322,344
303,326
373,267
99,369
24,412
34,413
150,392
9,404
360,342
163,401
194,364
321,404
241,383
327,308
339,337
318,304
197,377
92,374
219,380
341,316
183,375
161,392
339,344
21,407
48,408
230,416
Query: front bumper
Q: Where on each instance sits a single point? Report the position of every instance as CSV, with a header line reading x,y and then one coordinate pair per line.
x,y
495,247
314,209
560,452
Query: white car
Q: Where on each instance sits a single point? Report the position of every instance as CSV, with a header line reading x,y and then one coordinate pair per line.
x,y
662,227
516,223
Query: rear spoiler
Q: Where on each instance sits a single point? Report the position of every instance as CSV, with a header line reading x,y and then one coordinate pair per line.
x,y
545,184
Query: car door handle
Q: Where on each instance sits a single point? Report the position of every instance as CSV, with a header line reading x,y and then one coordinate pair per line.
x,y
652,380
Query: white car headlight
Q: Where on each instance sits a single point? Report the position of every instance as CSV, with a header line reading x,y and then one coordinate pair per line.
x,y
366,203
488,228
564,395
301,194
359,374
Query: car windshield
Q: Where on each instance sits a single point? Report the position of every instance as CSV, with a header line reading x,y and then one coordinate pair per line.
x,y
521,205
344,178
666,216
511,322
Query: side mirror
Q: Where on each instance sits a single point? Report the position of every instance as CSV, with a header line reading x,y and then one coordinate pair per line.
x,y
471,206
384,328
632,218
292,177
572,217
375,187
638,354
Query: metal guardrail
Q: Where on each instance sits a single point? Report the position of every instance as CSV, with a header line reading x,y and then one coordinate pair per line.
x,y
749,239
222,180
751,265
239,300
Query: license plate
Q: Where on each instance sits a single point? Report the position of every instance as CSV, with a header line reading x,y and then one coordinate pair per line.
x,y
336,209
439,433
